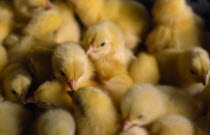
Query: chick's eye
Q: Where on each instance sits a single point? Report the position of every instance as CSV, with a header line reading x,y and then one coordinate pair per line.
x,y
14,92
62,73
140,116
102,44
192,72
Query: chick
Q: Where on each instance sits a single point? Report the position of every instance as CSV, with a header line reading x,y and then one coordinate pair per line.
x,y
14,118
26,9
131,16
135,131
6,20
3,57
145,103
104,43
144,69
183,67
56,122
51,94
69,29
16,82
71,65
95,114
176,26
173,125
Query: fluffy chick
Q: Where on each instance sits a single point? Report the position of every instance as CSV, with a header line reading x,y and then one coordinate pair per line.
x,y
173,125
27,9
176,25
14,118
16,82
146,103
51,94
131,16
6,20
183,67
105,44
144,69
3,57
135,131
56,122
94,112
71,65
69,29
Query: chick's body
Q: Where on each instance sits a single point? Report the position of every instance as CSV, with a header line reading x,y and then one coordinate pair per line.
x,y
94,112
3,57
135,131
56,122
14,118
131,16
176,25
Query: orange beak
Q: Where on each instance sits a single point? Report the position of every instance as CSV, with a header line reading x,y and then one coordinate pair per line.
x,y
23,98
72,84
127,125
90,49
48,4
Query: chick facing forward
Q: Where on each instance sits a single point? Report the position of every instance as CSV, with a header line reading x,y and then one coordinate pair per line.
x,y
135,131
56,122
176,26
14,118
183,67
173,125
144,69
3,57
51,94
95,113
145,103
16,82
71,65
131,16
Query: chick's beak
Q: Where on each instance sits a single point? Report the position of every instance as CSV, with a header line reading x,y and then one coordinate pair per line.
x,y
23,98
90,49
72,84
48,5
127,125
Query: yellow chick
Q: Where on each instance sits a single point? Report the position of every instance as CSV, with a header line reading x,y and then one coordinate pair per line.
x,y
16,82
104,43
95,113
69,29
173,125
3,57
51,94
183,67
6,20
144,69
131,16
145,103
135,131
71,65
14,118
56,122
26,9
176,26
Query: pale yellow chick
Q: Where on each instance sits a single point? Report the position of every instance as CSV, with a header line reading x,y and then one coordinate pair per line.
x,y
69,29
176,26
71,65
3,57
52,94
56,122
131,16
6,20
183,67
144,69
173,125
145,103
104,43
16,82
135,131
14,118
95,113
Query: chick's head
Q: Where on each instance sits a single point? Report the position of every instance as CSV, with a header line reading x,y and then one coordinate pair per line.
x,y
141,105
69,64
194,64
102,39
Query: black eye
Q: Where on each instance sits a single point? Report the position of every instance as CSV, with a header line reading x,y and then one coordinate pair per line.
x,y
102,44
62,73
140,116
14,92
192,72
